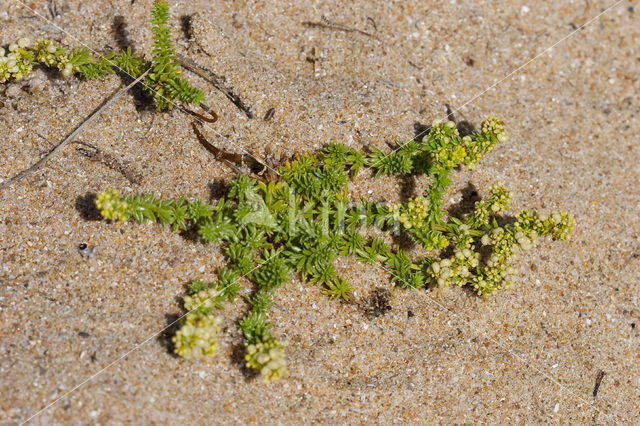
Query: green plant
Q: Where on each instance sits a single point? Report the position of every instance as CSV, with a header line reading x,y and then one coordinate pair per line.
x,y
305,219
339,288
163,80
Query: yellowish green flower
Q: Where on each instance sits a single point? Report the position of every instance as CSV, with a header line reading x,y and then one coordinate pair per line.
x,y
495,126
411,215
268,358
197,336
110,205
204,300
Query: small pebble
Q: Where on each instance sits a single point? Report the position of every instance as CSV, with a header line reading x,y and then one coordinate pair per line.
x,y
86,251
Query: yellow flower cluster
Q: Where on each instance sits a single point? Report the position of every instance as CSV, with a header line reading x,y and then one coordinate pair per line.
x,y
110,205
455,270
499,197
197,336
21,59
446,155
16,63
413,214
204,300
496,126
51,55
449,158
268,358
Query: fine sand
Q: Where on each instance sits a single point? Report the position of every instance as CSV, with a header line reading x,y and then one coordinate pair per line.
x,y
82,328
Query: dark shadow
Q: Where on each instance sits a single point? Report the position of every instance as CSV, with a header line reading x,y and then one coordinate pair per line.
x,y
407,187
185,25
403,240
505,220
447,252
466,205
420,131
120,33
218,189
51,73
85,204
237,357
191,234
143,99
470,291
465,128
173,324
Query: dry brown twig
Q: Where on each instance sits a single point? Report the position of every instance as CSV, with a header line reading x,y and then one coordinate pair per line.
x,y
95,154
330,23
240,163
216,81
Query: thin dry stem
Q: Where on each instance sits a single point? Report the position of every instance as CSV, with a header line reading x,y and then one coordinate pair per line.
x,y
69,138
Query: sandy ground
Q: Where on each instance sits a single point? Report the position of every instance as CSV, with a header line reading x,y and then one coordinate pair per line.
x,y
80,327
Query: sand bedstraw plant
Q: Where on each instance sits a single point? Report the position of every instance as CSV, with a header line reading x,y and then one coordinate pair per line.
x,y
304,220
163,81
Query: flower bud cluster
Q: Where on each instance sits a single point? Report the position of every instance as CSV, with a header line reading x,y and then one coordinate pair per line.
x,y
444,129
22,58
17,62
412,215
430,240
493,125
51,55
496,273
111,206
558,225
456,270
478,144
439,242
202,301
499,199
448,153
492,278
268,358
474,151
449,158
528,220
503,241
462,238
498,202
197,336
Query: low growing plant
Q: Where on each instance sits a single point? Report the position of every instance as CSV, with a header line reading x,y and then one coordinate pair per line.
x,y
163,81
302,221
